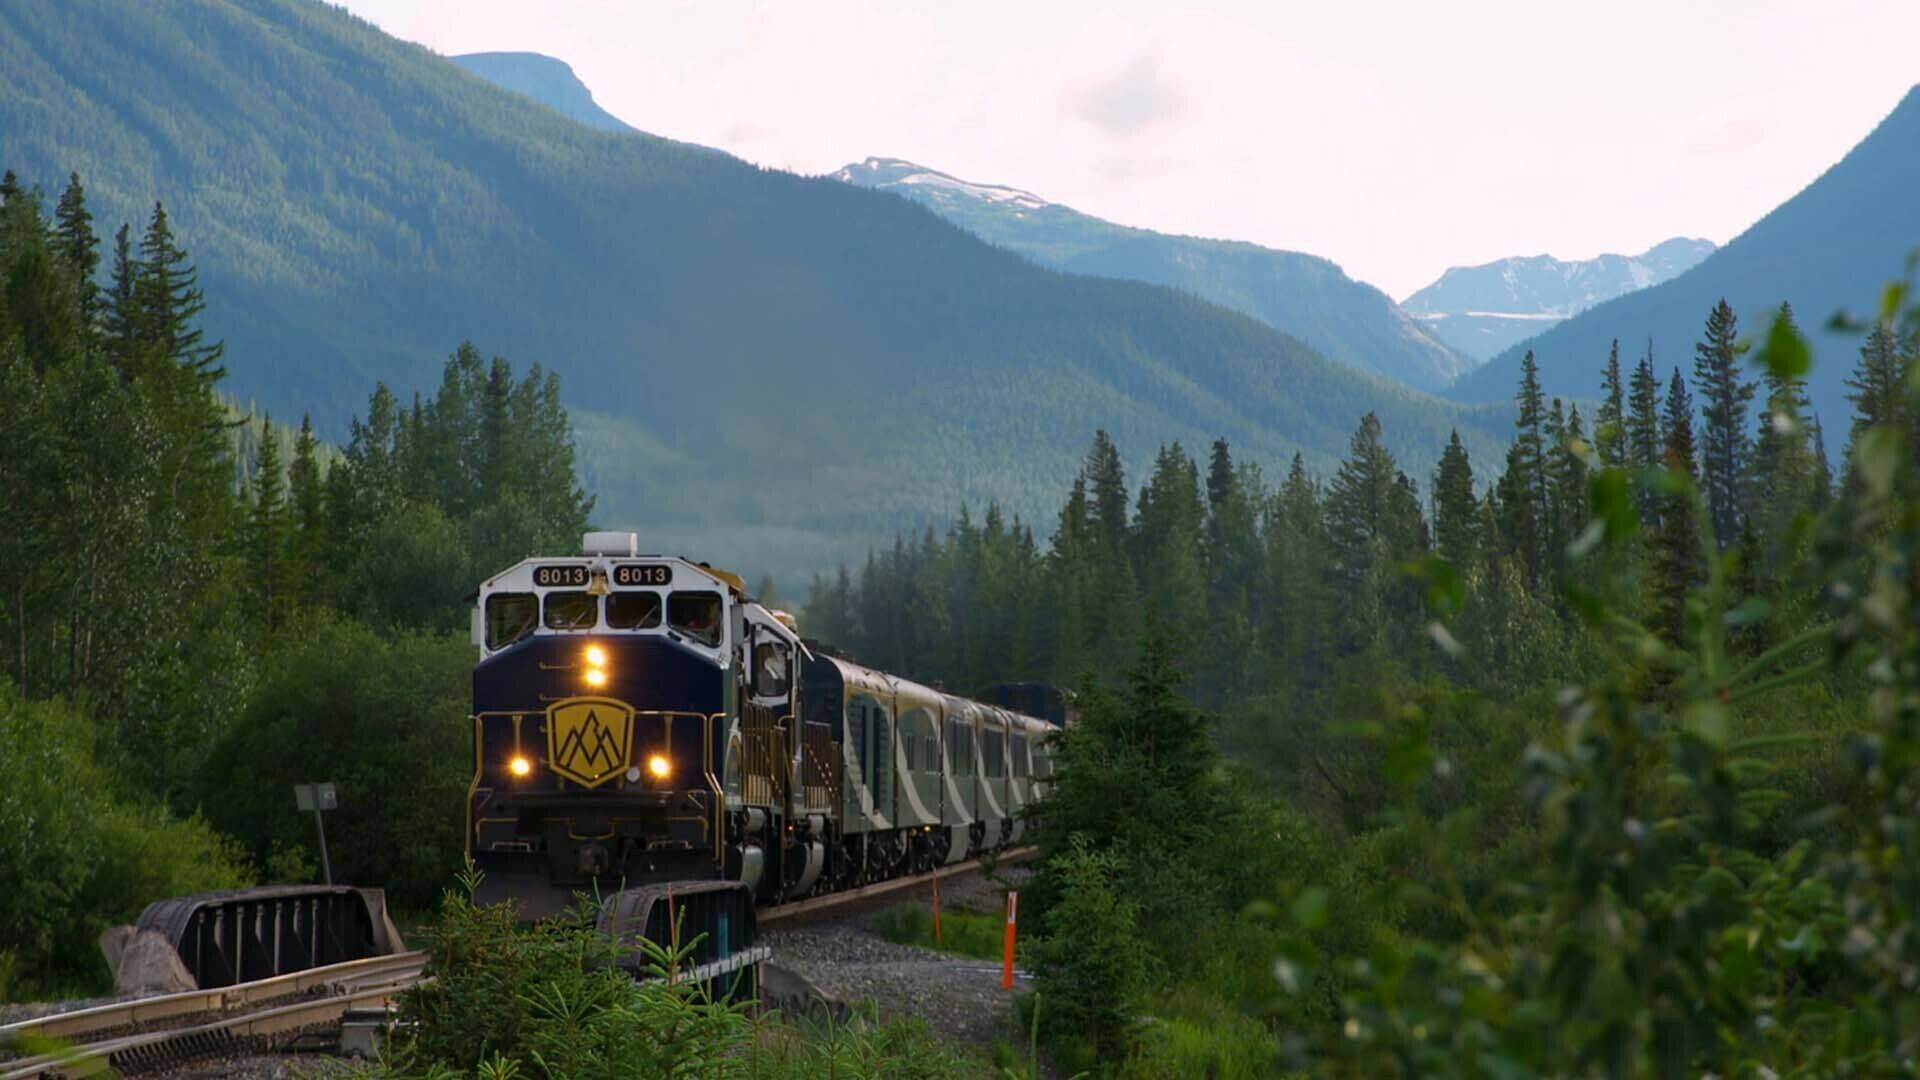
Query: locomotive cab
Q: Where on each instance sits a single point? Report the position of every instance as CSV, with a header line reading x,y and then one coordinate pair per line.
x,y
601,726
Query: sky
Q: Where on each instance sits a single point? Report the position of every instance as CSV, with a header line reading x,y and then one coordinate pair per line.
x,y
1397,139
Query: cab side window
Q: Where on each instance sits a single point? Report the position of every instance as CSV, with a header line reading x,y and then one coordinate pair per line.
x,y
771,671
695,614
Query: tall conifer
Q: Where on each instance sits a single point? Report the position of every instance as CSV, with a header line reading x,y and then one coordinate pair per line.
x,y
1610,422
1456,513
1725,444
1677,559
73,230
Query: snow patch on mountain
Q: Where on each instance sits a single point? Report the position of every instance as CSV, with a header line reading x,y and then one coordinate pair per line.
x,y
880,172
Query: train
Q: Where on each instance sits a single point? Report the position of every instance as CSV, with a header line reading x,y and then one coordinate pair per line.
x,y
642,724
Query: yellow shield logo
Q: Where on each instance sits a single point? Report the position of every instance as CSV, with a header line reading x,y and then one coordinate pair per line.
x,y
588,739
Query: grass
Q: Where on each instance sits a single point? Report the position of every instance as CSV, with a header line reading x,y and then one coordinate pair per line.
x,y
962,932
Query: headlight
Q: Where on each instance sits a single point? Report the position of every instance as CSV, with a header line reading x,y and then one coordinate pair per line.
x,y
519,766
659,767
596,678
596,656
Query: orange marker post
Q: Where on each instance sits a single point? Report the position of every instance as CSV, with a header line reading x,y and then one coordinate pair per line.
x,y
1006,967
937,939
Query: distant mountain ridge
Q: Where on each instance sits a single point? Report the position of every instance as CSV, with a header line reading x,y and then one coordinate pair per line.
x,y
1833,246
545,79
772,371
1304,295
1483,310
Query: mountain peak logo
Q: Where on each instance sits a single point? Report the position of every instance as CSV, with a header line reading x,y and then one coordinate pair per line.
x,y
589,739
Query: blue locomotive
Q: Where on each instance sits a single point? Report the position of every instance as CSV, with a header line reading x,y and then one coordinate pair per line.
x,y
640,721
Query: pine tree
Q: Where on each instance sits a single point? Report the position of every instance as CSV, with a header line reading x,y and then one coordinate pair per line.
x,y
1610,422
1569,486
1456,512
267,534
1373,522
1525,520
169,300
1107,483
9,188
78,245
122,309
1678,566
1784,472
1725,445
307,509
1166,538
1552,515
1877,390
1645,442
1822,487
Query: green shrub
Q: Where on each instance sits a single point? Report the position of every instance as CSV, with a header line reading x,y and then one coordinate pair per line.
x,y
385,718
1090,965
75,858
546,1002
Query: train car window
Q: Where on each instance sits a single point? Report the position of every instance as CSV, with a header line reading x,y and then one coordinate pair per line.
x,y
921,740
572,610
633,610
510,617
770,678
695,614
1019,757
959,747
991,745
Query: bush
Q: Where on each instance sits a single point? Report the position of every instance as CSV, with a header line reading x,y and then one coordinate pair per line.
x,y
546,1001
75,858
385,718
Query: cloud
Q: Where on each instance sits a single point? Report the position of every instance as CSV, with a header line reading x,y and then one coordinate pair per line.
x,y
1132,99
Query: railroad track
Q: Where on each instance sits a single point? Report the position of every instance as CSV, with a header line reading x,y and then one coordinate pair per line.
x,y
240,1012
813,905
153,1032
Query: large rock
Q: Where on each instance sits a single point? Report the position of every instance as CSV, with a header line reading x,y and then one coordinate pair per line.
x,y
143,962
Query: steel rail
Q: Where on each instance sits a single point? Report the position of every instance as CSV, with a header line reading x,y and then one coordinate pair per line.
x,y
794,908
148,1045
219,999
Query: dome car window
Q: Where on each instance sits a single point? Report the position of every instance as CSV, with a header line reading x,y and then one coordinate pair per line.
x,y
510,617
633,610
695,614
571,611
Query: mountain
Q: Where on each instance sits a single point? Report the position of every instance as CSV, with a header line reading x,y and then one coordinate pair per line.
x,y
544,79
771,371
1833,246
1483,310
1303,295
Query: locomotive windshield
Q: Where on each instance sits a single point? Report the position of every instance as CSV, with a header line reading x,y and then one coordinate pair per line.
x,y
633,610
510,617
695,614
571,611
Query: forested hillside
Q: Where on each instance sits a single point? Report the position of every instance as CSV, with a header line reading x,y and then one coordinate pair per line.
x,y
766,369
546,80
1304,295
1828,248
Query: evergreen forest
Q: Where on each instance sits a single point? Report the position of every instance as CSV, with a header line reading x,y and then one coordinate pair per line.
x,y
1595,757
